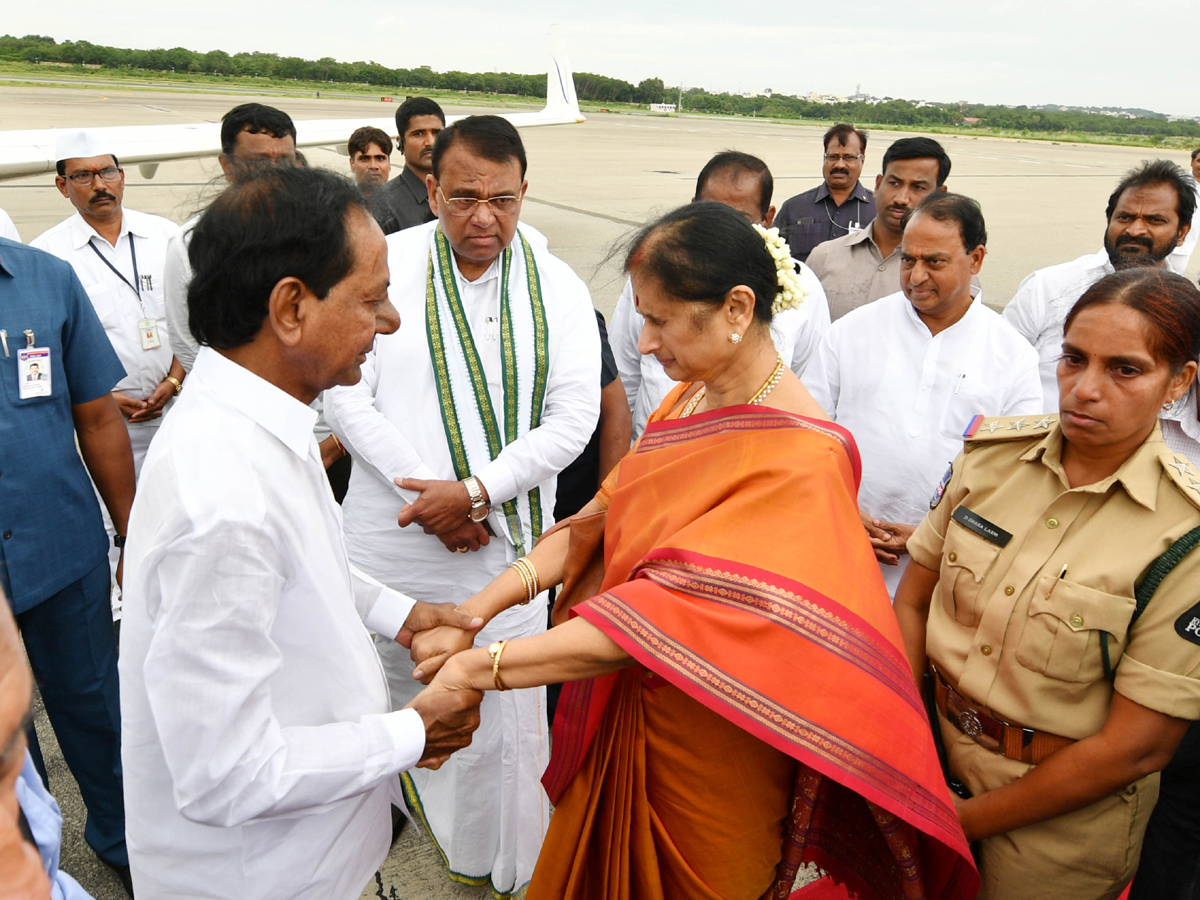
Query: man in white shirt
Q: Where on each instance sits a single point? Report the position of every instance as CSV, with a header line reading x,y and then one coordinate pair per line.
x,y
7,228
1178,261
908,373
461,423
118,255
1149,214
743,182
255,718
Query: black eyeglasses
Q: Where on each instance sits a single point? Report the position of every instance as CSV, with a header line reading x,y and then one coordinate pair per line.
x,y
108,173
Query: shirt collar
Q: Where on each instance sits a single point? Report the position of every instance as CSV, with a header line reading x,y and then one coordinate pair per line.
x,y
82,232
415,184
1139,475
257,399
859,192
976,294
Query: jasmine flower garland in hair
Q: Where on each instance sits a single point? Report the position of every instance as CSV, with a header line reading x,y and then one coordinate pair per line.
x,y
791,292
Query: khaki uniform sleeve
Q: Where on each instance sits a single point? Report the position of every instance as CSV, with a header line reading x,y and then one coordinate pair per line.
x,y
1161,668
925,545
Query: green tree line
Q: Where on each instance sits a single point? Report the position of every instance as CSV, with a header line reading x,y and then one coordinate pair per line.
x,y
590,87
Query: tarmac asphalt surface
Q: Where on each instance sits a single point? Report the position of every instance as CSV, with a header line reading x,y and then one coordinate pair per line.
x,y
591,185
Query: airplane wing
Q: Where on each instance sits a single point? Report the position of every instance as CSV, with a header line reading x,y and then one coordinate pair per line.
x,y
31,151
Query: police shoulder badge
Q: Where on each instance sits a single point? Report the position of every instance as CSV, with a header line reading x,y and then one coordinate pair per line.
x,y
940,491
1187,626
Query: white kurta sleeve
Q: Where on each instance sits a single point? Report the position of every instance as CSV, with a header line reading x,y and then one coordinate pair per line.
x,y
208,671
1024,394
623,339
369,436
383,610
821,376
177,275
1028,310
572,405
815,310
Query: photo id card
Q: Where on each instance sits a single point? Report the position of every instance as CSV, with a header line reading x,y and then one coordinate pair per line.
x,y
149,332
33,372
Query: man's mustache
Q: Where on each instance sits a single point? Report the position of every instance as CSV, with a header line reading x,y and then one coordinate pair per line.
x,y
1133,239
102,195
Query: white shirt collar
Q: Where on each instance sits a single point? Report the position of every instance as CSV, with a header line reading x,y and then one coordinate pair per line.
x,y
976,301
82,232
257,399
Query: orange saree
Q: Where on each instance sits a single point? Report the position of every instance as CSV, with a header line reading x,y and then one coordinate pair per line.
x,y
771,718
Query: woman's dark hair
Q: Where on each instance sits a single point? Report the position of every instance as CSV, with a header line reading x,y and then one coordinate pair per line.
x,y
701,251
1169,303
270,224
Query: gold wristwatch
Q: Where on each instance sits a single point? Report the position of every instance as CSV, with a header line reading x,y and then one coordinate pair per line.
x,y
479,508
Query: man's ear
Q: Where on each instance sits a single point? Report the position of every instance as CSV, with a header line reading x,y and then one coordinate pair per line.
x,y
769,218
61,184
431,185
285,309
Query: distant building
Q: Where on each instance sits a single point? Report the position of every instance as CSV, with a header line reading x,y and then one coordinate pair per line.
x,y
662,107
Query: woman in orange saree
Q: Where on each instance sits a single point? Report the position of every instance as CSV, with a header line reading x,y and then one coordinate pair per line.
x,y
739,702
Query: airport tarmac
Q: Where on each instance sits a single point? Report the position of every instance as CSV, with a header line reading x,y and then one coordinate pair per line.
x,y
591,185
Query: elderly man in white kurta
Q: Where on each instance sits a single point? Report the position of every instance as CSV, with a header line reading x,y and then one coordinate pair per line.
x,y
908,373
489,388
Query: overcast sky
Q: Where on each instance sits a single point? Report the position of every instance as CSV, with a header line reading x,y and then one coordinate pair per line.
x,y
1099,53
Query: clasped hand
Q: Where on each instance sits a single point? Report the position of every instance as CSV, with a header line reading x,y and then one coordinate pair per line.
x,y
450,717
888,539
441,509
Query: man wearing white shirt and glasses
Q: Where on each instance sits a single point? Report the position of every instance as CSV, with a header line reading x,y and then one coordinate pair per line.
x,y
908,373
459,428
254,713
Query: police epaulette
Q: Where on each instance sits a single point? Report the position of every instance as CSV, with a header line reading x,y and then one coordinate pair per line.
x,y
1007,428
1181,471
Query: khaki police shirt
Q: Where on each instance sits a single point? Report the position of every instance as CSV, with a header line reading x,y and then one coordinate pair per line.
x,y
1015,624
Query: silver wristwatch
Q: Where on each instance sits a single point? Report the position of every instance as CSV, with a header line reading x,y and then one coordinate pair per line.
x,y
479,508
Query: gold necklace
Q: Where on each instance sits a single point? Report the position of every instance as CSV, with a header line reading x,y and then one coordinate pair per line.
x,y
759,396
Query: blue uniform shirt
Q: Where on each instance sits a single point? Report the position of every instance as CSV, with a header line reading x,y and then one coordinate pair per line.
x,y
51,531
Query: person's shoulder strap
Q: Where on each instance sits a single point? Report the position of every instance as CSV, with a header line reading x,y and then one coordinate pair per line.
x,y
1159,569
999,429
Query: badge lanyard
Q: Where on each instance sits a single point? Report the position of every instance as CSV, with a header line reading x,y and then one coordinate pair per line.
x,y
147,327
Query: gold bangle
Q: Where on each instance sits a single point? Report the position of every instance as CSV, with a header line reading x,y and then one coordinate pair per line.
x,y
494,651
524,581
530,578
175,381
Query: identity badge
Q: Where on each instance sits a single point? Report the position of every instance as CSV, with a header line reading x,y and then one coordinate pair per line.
x,y
33,372
854,228
149,332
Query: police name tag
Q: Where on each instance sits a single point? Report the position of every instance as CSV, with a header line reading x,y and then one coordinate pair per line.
x,y
33,372
149,333
981,526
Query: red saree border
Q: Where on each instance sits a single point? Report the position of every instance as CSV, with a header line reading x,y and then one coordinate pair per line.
x,y
739,419
791,604
800,738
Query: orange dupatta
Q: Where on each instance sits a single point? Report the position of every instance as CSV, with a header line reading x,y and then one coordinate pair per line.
x,y
736,568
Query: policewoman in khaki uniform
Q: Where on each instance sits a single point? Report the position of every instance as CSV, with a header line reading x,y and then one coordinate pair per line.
x,y
1027,565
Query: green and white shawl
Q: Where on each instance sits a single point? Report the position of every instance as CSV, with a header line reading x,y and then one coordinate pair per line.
x,y
473,432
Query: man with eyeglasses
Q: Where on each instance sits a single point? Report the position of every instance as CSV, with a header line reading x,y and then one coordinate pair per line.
x,y
839,205
118,255
461,423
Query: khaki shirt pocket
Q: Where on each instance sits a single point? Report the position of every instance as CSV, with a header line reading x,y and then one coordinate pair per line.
x,y
966,561
1061,639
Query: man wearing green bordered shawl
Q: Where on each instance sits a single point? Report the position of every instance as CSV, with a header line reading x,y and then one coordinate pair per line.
x,y
461,423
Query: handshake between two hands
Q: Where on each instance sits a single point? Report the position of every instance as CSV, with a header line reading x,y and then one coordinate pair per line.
x,y
449,707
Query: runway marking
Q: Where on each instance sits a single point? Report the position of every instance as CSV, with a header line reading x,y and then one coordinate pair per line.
x,y
585,212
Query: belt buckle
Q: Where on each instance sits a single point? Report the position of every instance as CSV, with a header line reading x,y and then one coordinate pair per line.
x,y
969,724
